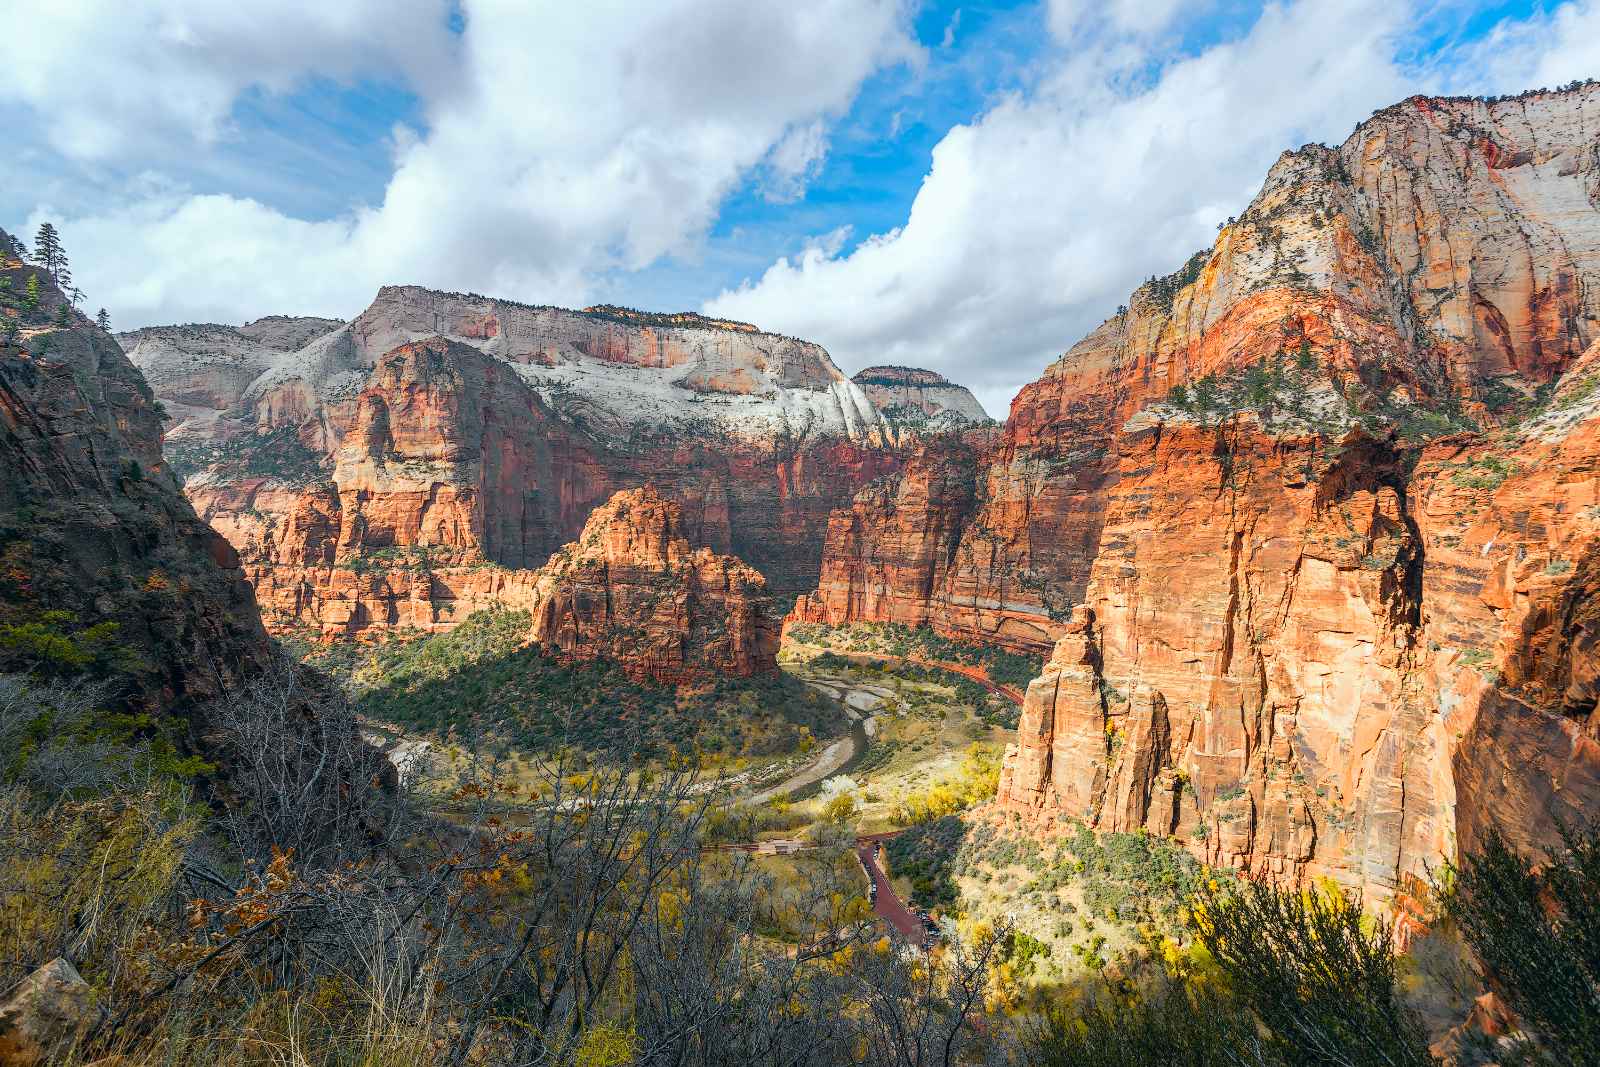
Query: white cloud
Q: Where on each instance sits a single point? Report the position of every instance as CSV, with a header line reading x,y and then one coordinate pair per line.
x,y
795,160
1038,218
1544,51
112,79
562,140
950,29
1069,20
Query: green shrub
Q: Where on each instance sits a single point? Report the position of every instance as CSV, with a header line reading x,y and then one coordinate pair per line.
x,y
1535,929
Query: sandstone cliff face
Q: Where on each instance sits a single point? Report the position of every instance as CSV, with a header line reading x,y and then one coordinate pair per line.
x,y
93,526
1439,264
372,483
920,396
450,479
890,546
632,589
1324,605
202,370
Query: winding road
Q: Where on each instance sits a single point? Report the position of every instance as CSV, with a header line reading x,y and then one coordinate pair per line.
x,y
966,670
888,906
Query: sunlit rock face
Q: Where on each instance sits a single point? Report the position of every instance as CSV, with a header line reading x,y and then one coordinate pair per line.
x,y
633,590
399,470
1309,526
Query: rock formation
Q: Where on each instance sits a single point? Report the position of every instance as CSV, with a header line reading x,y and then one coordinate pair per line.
x,y
898,537
93,530
1356,256
909,394
201,370
395,471
109,581
42,1017
632,590
1316,519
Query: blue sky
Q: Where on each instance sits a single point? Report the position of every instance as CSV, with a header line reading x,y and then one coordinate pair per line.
x,y
964,185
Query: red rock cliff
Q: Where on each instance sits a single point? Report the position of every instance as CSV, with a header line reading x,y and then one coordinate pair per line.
x,y
633,590
1441,262
93,529
1314,518
399,470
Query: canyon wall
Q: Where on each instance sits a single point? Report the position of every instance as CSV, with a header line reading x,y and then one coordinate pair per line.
x,y
105,570
1310,526
1435,269
401,470
921,396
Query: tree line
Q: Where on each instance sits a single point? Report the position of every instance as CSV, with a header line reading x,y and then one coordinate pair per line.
x,y
49,254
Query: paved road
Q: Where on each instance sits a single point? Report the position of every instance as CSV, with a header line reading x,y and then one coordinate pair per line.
x,y
889,906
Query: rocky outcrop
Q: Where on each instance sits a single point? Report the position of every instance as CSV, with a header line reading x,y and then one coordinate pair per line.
x,y
925,397
1337,614
42,1017
371,483
632,590
886,551
201,370
95,536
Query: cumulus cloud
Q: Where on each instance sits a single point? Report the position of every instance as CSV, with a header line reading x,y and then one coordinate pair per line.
x,y
561,141
559,146
113,79
1036,220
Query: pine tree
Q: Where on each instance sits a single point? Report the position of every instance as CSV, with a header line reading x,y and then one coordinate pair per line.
x,y
30,298
9,328
63,315
74,294
47,250
102,319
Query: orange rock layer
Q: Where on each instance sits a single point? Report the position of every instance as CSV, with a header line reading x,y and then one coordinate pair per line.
x,y
1312,527
633,591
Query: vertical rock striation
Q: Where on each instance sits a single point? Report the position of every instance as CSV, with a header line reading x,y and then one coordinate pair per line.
x,y
1311,524
398,470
